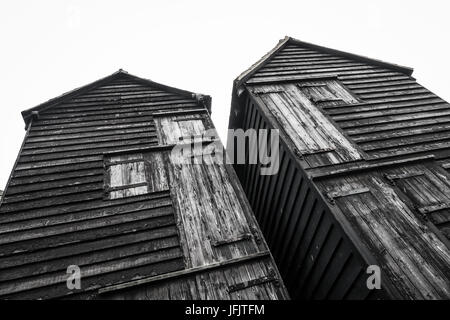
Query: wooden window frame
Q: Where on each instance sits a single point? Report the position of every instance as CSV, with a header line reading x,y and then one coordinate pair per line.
x,y
107,179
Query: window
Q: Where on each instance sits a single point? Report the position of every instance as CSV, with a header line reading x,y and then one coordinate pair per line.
x,y
125,176
181,128
327,93
130,175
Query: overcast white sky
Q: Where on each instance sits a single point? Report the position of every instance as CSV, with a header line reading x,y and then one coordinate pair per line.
x,y
50,47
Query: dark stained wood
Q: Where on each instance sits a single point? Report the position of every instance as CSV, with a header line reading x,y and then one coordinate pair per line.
x,y
95,185
327,216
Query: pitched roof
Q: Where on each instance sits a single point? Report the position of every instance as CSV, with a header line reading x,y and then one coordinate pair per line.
x,y
244,76
122,74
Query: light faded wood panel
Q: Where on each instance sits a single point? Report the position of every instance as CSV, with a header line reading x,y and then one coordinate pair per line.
x,y
431,255
376,237
156,171
209,210
168,130
429,193
192,127
343,147
306,119
326,89
409,253
126,176
299,134
310,130
127,173
180,128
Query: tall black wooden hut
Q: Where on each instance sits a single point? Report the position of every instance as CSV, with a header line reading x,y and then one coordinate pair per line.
x,y
97,186
363,176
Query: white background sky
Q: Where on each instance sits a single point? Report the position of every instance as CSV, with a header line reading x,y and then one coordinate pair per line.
x,y
50,47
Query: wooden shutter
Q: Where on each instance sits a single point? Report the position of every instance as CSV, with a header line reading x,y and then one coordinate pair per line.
x,y
428,192
296,109
125,176
174,129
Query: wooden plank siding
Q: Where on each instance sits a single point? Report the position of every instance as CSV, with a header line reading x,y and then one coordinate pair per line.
x,y
324,207
95,186
316,258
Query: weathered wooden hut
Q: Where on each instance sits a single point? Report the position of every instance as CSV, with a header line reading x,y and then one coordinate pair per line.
x,y
363,176
97,186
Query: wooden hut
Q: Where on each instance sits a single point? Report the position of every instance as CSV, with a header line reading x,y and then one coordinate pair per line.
x,y
363,178
98,196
